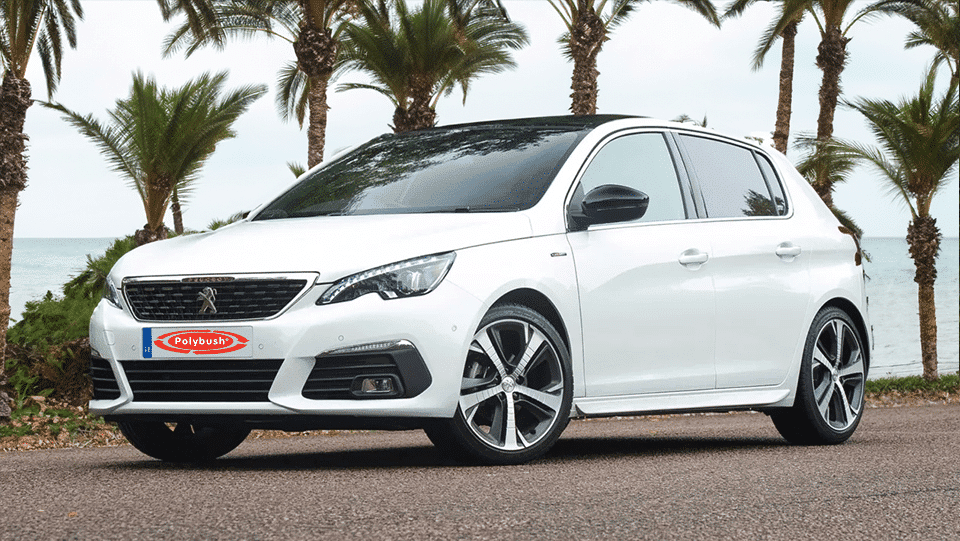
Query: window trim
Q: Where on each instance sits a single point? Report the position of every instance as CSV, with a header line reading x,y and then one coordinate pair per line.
x,y
757,155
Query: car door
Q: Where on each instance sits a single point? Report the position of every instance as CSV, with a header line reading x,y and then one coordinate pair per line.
x,y
646,296
760,262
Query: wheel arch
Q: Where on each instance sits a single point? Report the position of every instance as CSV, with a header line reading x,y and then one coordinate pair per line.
x,y
540,303
851,310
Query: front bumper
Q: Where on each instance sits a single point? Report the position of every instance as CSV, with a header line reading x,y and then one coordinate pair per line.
x,y
292,355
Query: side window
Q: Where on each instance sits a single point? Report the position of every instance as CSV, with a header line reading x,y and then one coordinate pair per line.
x,y
779,200
730,179
642,162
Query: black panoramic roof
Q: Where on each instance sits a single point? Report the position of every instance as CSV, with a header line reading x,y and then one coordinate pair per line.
x,y
567,122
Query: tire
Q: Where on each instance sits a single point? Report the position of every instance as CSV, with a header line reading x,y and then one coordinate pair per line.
x,y
515,394
183,443
829,402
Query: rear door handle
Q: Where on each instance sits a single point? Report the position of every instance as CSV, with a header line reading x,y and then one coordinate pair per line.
x,y
693,258
788,250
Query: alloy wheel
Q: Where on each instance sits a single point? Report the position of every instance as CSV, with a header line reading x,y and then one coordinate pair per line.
x,y
838,373
513,384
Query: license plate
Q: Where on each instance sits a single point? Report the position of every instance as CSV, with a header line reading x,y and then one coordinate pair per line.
x,y
197,341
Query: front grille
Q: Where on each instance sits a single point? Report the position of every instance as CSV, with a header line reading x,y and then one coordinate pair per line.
x,y
332,377
201,380
234,299
105,386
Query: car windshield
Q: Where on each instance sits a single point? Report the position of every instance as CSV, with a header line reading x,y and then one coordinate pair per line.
x,y
484,168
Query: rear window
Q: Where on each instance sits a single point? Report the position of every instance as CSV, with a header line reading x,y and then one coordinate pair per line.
x,y
730,179
470,169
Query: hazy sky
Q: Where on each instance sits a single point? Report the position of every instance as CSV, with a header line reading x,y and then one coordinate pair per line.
x,y
664,62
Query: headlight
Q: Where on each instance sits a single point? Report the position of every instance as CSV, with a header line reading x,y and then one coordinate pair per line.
x,y
110,293
409,278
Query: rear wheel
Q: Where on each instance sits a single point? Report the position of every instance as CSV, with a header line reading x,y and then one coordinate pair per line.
x,y
829,403
515,393
183,441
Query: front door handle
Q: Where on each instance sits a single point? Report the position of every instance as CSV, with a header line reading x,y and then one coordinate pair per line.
x,y
693,258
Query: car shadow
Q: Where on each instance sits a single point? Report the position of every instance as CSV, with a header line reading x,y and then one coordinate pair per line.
x,y
427,456
650,446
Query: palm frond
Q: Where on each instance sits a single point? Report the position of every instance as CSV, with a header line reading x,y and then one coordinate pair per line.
x,y
737,7
705,8
111,140
39,25
293,89
789,11
824,159
424,53
296,168
165,135
919,142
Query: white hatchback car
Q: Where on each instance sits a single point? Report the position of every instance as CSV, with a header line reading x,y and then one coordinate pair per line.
x,y
488,282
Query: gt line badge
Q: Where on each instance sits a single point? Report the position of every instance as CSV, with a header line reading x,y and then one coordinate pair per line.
x,y
208,295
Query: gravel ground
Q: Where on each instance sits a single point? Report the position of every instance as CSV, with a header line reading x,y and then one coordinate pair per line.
x,y
673,477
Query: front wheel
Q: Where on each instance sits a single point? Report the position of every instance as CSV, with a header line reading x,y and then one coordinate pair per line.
x,y
182,441
829,403
515,393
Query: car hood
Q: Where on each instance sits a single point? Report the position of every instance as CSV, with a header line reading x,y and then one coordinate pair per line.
x,y
332,246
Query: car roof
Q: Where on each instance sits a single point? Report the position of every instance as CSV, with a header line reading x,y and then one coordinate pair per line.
x,y
566,122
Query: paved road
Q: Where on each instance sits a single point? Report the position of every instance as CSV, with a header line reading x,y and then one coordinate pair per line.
x,y
682,477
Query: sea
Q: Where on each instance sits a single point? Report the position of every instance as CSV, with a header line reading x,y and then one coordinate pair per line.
x,y
45,264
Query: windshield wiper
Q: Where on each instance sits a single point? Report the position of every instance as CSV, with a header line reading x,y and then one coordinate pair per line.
x,y
465,210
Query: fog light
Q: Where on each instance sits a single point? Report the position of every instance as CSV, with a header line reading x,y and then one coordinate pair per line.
x,y
376,386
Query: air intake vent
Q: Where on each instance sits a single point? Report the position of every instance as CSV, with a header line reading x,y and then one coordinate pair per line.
x,y
333,377
105,386
201,380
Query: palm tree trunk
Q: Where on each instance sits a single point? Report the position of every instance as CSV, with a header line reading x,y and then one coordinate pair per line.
x,y
8,207
14,102
316,51
316,131
781,132
923,237
177,214
832,58
928,332
157,190
419,114
586,39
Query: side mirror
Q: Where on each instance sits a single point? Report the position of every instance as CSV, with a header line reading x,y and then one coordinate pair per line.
x,y
611,203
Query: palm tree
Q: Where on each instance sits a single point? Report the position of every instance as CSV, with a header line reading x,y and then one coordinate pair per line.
x,y
589,25
159,139
201,16
938,24
781,131
831,17
312,27
831,160
687,119
23,24
415,57
919,141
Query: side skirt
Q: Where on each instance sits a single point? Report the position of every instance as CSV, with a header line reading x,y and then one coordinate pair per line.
x,y
682,402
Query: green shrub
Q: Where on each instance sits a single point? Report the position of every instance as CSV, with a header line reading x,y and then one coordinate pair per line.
x,y
52,320
949,383
89,283
48,351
